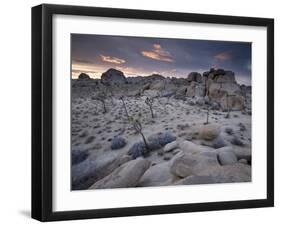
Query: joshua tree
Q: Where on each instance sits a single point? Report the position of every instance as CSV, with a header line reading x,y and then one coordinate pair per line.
x,y
227,105
108,90
149,101
101,97
208,110
124,105
138,127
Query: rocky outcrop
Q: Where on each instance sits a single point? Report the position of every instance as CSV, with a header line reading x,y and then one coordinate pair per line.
x,y
221,86
194,77
84,76
113,77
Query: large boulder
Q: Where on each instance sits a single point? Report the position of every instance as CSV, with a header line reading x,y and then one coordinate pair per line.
x,y
227,157
113,77
127,175
156,175
184,165
190,147
87,172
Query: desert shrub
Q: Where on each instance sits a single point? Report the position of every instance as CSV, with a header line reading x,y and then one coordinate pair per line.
x,y
168,94
117,143
229,130
215,106
78,156
242,126
137,150
158,141
89,139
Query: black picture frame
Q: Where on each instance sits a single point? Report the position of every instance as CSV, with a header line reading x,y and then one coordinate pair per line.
x,y
42,107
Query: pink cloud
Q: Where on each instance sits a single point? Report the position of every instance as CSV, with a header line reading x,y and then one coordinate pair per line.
x,y
223,56
113,60
158,53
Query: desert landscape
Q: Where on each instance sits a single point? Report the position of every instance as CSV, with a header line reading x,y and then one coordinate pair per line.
x,y
157,130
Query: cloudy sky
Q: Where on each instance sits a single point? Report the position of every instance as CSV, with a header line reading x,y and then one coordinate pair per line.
x,y
94,54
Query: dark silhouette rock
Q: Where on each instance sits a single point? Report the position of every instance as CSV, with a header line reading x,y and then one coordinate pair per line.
x,y
113,77
84,76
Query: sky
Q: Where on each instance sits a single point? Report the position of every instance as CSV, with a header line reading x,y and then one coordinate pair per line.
x,y
142,56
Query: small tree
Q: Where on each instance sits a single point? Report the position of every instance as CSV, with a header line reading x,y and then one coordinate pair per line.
x,y
149,101
124,105
138,127
207,118
102,97
228,105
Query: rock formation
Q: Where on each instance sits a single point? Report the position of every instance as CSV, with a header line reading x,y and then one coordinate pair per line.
x,y
221,86
113,77
84,76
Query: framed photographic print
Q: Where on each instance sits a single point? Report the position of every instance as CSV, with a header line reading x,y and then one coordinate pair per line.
x,y
146,112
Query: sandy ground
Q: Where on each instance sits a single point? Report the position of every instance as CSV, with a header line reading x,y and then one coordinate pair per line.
x,y
93,130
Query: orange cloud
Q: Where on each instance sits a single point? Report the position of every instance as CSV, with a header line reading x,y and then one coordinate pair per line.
x,y
223,56
113,60
158,53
